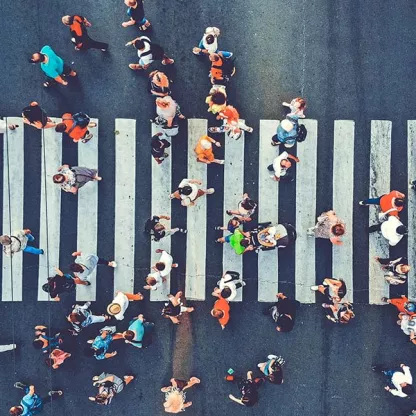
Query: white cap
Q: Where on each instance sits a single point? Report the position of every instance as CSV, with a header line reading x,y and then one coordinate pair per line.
x,y
287,125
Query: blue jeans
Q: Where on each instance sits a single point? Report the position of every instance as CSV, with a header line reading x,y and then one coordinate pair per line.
x,y
225,54
227,238
32,250
372,201
389,375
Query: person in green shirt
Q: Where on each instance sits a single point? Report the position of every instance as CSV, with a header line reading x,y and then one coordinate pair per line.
x,y
53,66
239,240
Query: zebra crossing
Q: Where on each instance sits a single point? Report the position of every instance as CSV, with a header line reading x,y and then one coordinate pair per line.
x,y
195,271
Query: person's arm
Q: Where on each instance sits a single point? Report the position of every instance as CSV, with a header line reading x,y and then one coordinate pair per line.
x,y
280,295
296,159
86,22
60,80
406,370
249,248
234,399
132,41
395,392
400,195
108,355
59,272
103,380
195,181
76,254
164,217
336,241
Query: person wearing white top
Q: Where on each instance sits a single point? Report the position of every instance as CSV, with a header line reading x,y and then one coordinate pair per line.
x,y
280,166
392,230
228,285
209,43
120,303
407,324
154,281
165,263
401,380
188,192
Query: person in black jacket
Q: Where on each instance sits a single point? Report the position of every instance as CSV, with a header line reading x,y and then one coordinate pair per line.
x,y
60,283
35,116
283,312
79,35
157,230
159,144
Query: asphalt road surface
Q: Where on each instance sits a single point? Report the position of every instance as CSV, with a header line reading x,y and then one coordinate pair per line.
x,y
351,60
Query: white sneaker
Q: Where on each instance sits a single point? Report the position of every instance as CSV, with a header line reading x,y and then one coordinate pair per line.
x,y
259,365
271,356
112,264
243,283
210,191
314,287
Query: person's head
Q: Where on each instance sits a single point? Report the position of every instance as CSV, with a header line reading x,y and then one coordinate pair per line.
x,y
150,280
58,178
401,230
76,268
285,163
410,307
60,127
300,103
37,344
90,351
113,309
128,335
160,266
214,57
74,318
217,313
235,222
226,292
37,58
67,20
5,240
346,316
248,204
185,190
159,78
210,39
159,227
206,144
130,3
218,98
404,268
287,125
102,397
407,388
139,44
399,202
284,323
338,230
245,242
16,410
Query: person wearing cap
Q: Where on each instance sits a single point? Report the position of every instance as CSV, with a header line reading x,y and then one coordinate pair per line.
x,y
120,303
396,269
281,164
402,304
392,230
18,241
246,208
188,192
400,379
204,152
286,133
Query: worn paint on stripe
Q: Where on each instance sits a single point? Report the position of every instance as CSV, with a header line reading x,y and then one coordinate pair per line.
x,y
196,218
380,154
306,213
125,191
411,216
161,205
343,196
268,279
50,208
233,194
87,225
13,163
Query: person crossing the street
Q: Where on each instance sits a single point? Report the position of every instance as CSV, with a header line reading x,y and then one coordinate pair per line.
x,y
120,303
135,12
280,166
221,310
329,226
188,192
204,152
402,304
401,380
72,178
101,343
396,269
392,230
297,107
109,385
19,241
159,145
76,127
34,115
390,204
155,228
209,43
165,264
246,209
175,308
139,332
81,317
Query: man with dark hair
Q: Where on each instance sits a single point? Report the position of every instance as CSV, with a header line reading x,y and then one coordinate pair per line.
x,y
101,343
392,230
135,12
283,312
53,66
400,379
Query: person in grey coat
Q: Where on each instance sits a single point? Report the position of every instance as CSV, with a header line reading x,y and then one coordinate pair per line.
x,y
70,179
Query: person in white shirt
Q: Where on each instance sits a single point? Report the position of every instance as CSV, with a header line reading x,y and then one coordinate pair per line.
x,y
407,324
120,303
392,230
165,263
280,166
209,43
188,192
228,285
154,281
401,380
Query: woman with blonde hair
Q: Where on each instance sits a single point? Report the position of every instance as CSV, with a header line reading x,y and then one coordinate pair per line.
x,y
204,152
175,398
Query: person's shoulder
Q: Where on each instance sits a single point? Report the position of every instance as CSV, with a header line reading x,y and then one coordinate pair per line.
x,y
46,48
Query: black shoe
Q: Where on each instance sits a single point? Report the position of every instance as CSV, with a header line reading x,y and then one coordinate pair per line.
x,y
87,283
229,212
377,368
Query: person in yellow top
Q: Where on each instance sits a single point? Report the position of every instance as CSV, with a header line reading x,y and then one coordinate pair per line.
x,y
217,99
203,150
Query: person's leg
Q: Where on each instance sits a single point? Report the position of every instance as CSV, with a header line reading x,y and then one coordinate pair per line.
x,y
187,309
372,201
95,319
373,228
68,71
103,261
192,381
94,44
243,126
166,60
132,296
398,303
33,250
226,54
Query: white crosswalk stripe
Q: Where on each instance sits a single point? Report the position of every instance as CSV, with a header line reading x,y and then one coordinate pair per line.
x,y
195,268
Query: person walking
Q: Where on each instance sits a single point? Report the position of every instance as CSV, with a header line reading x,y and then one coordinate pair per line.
x,y
204,152
159,84
221,310
286,134
228,285
71,179
396,269
329,226
246,208
400,379
340,312
120,303
85,264
232,125
81,317
334,289
79,35
249,391
157,230
34,115
109,385
19,241
272,368
175,398
281,164
57,358
76,127
31,402
139,332
60,283
154,281
148,52
407,324
297,107
159,145
390,204
283,313
175,307
101,343
217,99
135,12
188,192
402,304
222,68
167,109
53,67
165,263
392,230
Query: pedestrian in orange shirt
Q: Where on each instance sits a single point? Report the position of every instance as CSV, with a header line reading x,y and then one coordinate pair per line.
x,y
390,204
221,310
203,150
76,127
231,123
402,304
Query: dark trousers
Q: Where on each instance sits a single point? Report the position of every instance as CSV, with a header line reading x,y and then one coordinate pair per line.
x,y
373,228
103,261
88,43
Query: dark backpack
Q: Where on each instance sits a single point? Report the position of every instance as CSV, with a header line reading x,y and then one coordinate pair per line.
x,y
301,133
228,68
156,50
80,119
